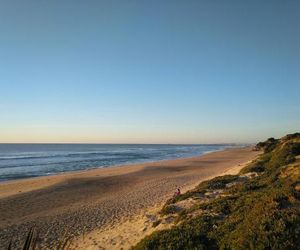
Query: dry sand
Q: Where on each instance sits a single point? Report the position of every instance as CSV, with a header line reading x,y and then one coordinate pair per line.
x,y
108,208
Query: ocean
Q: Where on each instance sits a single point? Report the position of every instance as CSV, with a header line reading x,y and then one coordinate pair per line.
x,y
18,161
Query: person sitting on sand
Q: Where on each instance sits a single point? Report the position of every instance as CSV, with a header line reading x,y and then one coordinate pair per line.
x,y
178,192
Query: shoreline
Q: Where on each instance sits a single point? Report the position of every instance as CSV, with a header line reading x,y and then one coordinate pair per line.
x,y
91,200
111,166
74,173
122,165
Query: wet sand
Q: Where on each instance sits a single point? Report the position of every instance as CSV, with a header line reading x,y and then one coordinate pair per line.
x,y
103,200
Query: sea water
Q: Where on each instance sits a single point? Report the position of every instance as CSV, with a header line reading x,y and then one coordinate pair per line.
x,y
31,160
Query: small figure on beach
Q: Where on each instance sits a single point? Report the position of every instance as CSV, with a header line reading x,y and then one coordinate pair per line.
x,y
177,193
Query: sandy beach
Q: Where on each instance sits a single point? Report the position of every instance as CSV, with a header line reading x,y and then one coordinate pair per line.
x,y
105,208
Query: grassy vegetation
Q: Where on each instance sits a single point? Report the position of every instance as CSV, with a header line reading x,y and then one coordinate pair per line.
x,y
254,213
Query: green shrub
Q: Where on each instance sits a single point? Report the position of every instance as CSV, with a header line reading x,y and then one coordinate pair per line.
x,y
192,234
216,183
169,209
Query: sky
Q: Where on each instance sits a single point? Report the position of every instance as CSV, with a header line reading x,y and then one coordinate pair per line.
x,y
202,71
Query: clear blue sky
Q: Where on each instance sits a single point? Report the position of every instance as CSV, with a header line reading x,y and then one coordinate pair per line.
x,y
149,71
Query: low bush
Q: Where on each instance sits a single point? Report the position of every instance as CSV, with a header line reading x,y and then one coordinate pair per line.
x,y
216,183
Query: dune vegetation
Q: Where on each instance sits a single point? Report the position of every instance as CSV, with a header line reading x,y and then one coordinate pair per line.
x,y
257,209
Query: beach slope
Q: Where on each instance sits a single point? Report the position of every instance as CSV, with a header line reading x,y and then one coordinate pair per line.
x,y
87,201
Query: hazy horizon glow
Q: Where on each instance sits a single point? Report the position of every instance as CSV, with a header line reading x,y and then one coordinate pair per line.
x,y
149,72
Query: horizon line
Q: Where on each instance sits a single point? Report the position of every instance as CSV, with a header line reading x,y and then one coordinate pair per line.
x,y
124,143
